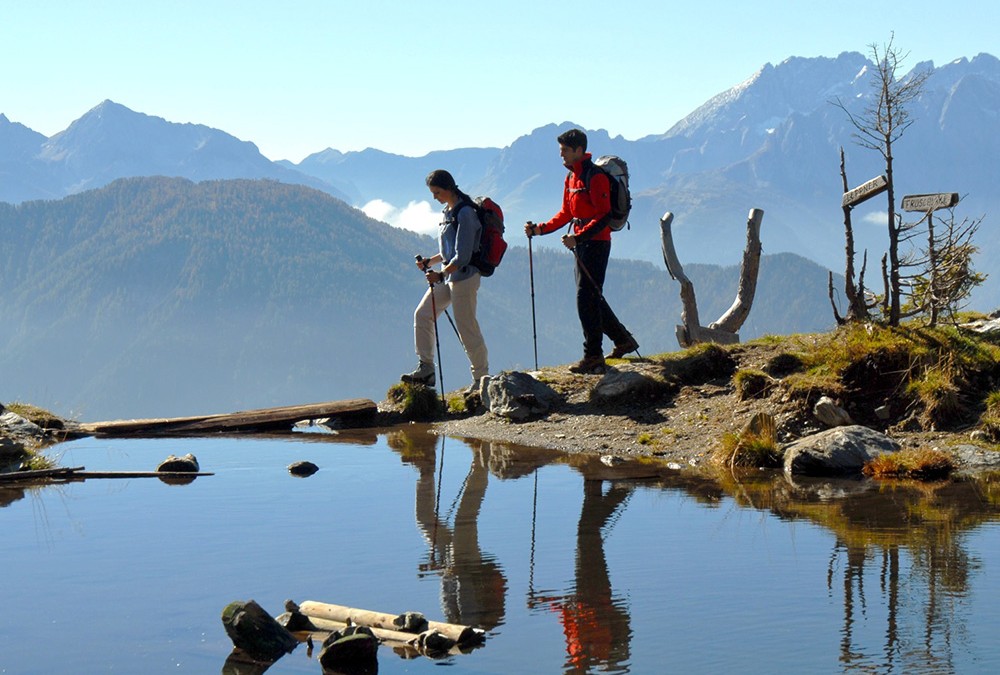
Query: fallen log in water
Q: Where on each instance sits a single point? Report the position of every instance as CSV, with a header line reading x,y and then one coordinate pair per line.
x,y
78,473
463,636
353,412
349,636
410,645
32,474
140,474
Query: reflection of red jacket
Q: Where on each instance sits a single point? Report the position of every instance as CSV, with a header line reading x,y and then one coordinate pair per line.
x,y
585,207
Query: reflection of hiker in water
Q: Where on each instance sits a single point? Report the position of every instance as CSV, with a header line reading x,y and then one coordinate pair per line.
x,y
595,623
473,587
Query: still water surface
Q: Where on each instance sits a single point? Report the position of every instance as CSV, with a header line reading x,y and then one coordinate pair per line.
x,y
570,565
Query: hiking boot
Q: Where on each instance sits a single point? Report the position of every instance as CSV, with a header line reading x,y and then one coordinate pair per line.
x,y
424,374
620,350
589,365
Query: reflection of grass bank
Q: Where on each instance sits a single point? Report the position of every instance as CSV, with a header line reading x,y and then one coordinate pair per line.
x,y
862,513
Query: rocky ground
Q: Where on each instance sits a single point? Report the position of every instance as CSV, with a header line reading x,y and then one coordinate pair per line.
x,y
681,425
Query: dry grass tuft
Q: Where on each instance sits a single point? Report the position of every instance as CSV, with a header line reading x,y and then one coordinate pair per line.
x,y
755,446
919,464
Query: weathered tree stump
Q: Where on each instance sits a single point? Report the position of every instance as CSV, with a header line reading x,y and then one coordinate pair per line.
x,y
255,633
723,331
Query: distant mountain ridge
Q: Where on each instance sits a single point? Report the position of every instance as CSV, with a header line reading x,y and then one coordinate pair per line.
x,y
110,142
771,142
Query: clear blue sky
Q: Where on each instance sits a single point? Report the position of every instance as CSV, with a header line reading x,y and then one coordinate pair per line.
x,y
296,77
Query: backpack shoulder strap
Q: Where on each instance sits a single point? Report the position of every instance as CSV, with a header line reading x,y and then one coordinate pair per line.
x,y
589,169
462,204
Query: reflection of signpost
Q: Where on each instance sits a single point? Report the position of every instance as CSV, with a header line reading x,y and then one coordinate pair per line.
x,y
928,203
875,186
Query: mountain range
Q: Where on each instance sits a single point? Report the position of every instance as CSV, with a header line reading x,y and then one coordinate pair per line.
x,y
771,142
235,281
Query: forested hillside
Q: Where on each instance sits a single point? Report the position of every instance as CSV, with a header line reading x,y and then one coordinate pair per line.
x,y
160,296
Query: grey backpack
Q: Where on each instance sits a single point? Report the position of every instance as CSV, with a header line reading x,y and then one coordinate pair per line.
x,y
616,170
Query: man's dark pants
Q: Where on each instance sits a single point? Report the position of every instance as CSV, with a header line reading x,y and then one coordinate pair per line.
x,y
596,316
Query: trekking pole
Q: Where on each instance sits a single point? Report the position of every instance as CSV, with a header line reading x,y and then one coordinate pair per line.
x,y
425,266
531,275
437,340
600,293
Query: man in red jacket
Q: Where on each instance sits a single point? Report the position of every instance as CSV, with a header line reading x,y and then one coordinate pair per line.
x,y
586,204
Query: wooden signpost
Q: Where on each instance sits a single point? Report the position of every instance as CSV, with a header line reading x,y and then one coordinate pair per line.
x,y
928,203
865,191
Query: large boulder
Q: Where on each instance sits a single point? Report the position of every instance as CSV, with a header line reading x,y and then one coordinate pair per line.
x,y
517,396
838,451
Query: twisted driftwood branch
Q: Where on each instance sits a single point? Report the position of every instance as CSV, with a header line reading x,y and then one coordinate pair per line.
x,y
723,331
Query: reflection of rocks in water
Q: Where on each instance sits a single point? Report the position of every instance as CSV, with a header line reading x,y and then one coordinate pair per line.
x,y
10,495
302,469
238,663
12,453
510,462
177,479
414,444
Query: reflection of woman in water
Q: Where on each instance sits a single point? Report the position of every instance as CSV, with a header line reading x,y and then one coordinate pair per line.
x,y
473,587
595,624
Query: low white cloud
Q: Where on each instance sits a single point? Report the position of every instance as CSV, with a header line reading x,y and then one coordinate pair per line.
x,y
419,217
378,209
876,218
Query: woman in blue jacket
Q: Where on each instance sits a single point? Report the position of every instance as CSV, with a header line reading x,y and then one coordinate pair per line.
x,y
455,285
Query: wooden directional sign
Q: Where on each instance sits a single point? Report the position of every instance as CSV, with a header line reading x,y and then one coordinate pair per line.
x,y
941,200
865,191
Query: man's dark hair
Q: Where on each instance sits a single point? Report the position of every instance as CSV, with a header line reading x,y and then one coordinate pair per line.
x,y
574,138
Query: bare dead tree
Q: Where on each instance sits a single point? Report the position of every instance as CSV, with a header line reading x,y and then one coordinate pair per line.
x,y
880,124
857,305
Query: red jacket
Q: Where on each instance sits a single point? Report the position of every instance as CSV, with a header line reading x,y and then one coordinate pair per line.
x,y
584,207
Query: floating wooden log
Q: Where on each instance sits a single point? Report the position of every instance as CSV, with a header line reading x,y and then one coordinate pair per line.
x,y
460,635
78,473
35,474
348,412
140,474
410,644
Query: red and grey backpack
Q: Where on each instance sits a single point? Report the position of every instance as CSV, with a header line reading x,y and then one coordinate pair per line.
x,y
491,242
